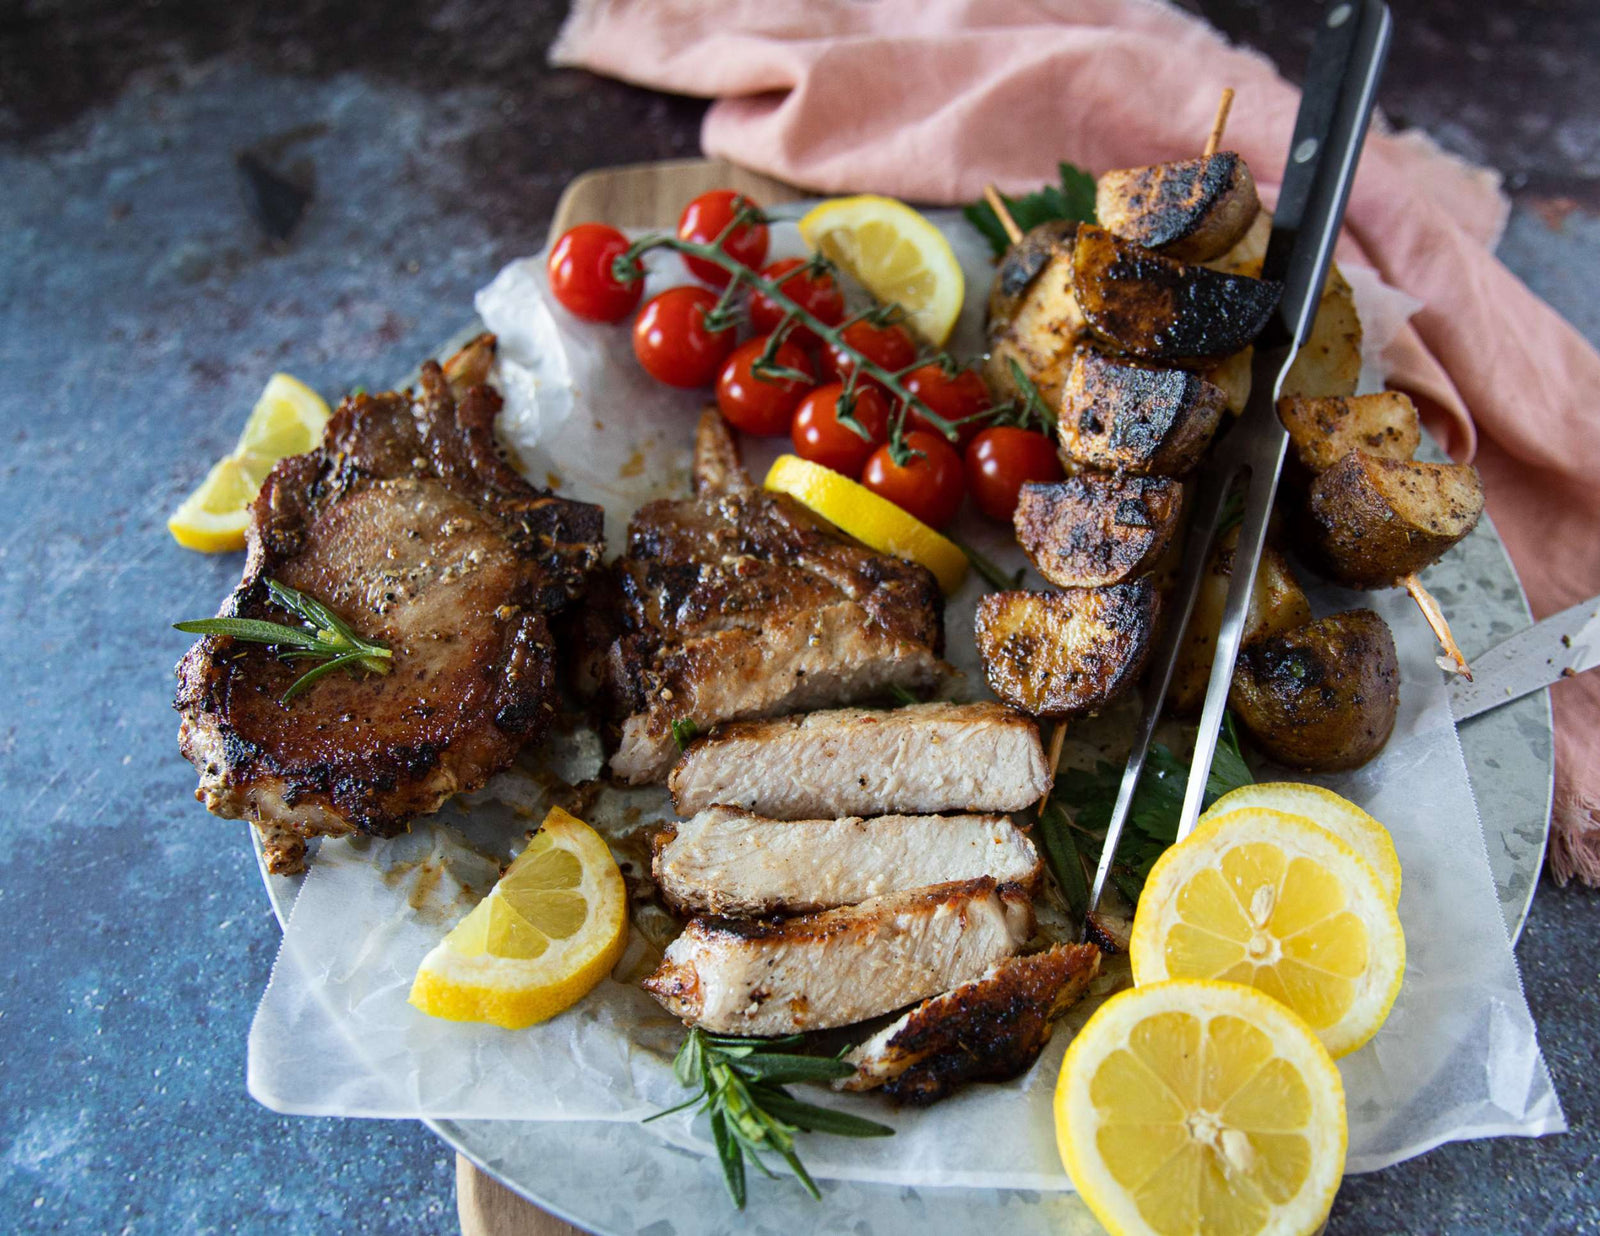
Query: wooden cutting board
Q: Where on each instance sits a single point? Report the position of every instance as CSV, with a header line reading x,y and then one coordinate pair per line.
x,y
642,195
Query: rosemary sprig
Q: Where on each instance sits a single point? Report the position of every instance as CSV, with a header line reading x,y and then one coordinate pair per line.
x,y
684,732
325,637
989,569
741,1084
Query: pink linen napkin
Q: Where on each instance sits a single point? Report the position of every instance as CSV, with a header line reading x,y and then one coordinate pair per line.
x,y
930,99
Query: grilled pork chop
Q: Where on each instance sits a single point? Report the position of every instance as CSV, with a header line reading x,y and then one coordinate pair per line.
x,y
742,603
726,861
409,524
781,976
990,1029
851,761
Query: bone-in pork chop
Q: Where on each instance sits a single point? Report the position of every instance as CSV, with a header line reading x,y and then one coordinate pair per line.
x,y
409,524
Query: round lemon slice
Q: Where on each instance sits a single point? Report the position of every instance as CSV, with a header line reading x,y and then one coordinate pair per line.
x,y
287,420
872,520
1277,903
1190,1107
546,934
1338,815
896,254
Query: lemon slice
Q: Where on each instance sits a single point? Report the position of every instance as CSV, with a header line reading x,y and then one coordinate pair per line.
x,y
896,254
287,420
1190,1107
546,934
1338,815
872,520
1277,903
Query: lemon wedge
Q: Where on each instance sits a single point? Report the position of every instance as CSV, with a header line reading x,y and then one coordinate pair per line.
x,y
872,520
896,254
1278,903
1191,1106
287,420
546,934
1338,815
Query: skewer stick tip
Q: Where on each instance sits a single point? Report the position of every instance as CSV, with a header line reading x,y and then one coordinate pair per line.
x,y
1441,627
1219,123
1001,212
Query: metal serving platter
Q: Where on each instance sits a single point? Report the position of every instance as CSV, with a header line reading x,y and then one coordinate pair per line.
x,y
608,1177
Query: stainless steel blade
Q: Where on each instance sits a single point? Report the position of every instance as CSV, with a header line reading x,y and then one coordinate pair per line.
x,y
1560,646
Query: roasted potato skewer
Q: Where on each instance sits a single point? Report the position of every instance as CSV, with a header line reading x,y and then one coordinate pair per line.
x,y
1191,209
1034,321
1094,529
1119,416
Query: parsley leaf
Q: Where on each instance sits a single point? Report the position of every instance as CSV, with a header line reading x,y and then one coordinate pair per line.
x,y
1073,198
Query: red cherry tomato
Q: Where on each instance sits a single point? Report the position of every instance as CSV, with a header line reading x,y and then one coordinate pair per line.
x,y
581,278
671,340
819,295
928,485
758,403
821,437
889,346
1001,460
703,220
955,398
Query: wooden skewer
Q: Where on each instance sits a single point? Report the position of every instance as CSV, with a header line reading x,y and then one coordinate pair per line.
x,y
1219,123
1441,627
1001,212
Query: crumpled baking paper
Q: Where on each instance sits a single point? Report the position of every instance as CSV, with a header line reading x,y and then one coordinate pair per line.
x,y
1458,1057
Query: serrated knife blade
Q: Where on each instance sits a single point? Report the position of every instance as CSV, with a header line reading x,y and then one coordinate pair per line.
x,y
1559,647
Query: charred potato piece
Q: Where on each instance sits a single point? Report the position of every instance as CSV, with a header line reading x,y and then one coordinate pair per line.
x,y
1329,362
1324,431
1093,530
1157,309
1378,520
1055,653
1033,314
1277,604
1191,209
1323,696
1121,417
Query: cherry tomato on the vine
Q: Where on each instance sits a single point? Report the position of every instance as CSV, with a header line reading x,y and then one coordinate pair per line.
x,y
760,403
927,485
703,220
957,398
1001,460
672,342
890,347
820,436
818,295
581,277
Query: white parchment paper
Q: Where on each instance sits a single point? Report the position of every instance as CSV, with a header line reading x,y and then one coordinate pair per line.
x,y
1458,1057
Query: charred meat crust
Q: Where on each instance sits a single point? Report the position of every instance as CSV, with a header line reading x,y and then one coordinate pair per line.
x,y
1191,209
1119,416
1095,529
1157,309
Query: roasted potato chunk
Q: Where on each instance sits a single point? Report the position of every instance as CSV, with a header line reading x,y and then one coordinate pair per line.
x,y
1034,320
1055,653
1329,362
1324,431
1233,377
1095,529
1191,209
1378,520
1158,309
1323,696
1277,604
1117,416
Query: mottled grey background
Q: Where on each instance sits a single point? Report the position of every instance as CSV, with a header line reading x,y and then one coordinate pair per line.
x,y
141,306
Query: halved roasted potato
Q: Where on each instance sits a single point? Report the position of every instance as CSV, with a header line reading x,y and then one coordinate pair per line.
x,y
1158,309
1034,321
1096,529
1378,520
1118,416
1322,696
1324,431
1277,604
1055,653
1192,209
1329,362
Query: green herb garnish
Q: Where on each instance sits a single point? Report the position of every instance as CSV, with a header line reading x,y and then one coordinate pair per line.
x,y
325,637
988,568
1073,199
901,695
684,731
741,1084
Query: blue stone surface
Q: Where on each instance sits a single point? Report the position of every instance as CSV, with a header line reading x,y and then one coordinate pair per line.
x,y
142,306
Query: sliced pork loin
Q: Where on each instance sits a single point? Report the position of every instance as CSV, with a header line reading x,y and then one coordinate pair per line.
x,y
990,1029
838,967
920,759
727,861
739,602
